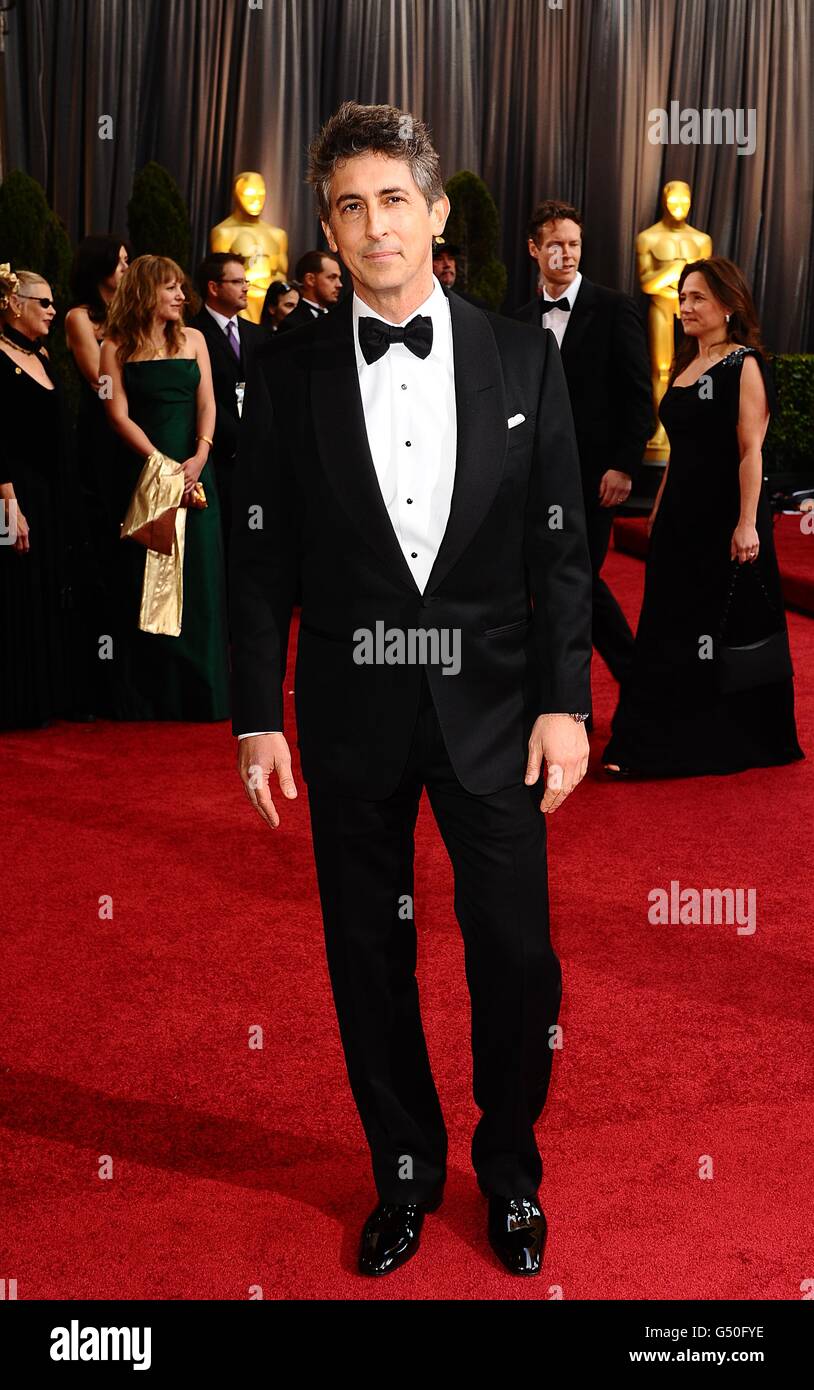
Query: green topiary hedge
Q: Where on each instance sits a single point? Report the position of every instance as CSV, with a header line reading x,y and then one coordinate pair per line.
x,y
157,216
474,225
789,443
23,216
32,237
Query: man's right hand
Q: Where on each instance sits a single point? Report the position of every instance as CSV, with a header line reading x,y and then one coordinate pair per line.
x,y
257,758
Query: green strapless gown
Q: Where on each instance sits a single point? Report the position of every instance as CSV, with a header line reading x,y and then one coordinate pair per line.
x,y
159,677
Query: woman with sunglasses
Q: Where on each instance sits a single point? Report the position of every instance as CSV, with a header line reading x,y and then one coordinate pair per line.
x,y
34,509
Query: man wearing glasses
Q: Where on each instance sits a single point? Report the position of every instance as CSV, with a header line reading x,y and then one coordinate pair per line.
x,y
232,341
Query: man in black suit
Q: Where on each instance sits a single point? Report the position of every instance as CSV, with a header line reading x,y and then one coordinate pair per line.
x,y
604,354
320,276
414,459
232,340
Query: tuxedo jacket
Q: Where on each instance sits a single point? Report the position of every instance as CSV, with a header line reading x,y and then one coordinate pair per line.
x,y
512,573
470,298
226,372
606,363
299,318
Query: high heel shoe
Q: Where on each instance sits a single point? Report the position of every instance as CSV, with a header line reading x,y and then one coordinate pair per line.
x,y
614,772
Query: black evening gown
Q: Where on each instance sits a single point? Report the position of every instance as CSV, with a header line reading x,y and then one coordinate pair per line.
x,y
96,451
671,720
34,677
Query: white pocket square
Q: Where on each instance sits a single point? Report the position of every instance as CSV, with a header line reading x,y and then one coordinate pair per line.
x,y
515,420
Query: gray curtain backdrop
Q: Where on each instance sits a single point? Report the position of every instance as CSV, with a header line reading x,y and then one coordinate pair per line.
x,y
540,97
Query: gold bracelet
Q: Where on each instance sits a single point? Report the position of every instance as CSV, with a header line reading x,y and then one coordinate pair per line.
x,y
205,439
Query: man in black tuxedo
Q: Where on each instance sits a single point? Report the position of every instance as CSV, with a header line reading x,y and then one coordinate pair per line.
x,y
414,459
232,340
604,354
320,276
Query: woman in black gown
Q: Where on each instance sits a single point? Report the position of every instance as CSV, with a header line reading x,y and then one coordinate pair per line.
x,y
34,514
98,268
710,516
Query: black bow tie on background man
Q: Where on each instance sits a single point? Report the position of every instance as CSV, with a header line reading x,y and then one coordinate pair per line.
x,y
554,304
375,336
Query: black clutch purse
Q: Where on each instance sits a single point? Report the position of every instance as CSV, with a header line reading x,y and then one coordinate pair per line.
x,y
747,665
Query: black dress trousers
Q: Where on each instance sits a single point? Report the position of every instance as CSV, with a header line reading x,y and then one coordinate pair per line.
x,y
364,852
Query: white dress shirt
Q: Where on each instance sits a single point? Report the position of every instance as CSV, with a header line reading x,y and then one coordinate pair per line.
x,y
222,321
412,432
557,319
316,309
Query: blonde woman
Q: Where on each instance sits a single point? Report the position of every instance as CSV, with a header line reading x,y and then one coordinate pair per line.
x,y
32,490
160,396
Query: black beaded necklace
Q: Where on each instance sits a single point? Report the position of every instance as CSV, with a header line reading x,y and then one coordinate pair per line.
x,y
19,340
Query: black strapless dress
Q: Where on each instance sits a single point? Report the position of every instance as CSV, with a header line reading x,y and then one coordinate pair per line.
x,y
671,720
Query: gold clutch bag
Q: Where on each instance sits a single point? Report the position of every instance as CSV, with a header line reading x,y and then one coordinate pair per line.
x,y
156,518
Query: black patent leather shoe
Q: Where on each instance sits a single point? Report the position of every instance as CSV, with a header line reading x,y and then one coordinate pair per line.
x,y
517,1232
392,1233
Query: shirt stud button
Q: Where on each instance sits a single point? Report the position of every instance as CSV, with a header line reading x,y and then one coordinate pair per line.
x,y
414,554
407,442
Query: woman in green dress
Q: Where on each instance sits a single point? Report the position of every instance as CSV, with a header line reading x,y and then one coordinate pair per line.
x,y
160,397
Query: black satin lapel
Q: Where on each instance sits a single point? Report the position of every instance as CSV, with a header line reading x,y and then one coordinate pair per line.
x,y
216,338
580,322
480,401
341,433
529,313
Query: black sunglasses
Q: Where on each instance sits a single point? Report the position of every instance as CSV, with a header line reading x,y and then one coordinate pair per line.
x,y
46,303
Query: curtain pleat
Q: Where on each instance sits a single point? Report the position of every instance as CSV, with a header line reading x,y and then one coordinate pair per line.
x,y
539,101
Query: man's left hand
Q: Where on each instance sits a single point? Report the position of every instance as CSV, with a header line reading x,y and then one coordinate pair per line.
x,y
614,488
563,743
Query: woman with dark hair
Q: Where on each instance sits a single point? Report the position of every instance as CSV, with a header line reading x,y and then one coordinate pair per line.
x,y
98,267
281,298
712,571
161,400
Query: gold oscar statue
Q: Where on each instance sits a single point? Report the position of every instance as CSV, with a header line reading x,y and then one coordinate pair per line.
x,y
662,251
262,248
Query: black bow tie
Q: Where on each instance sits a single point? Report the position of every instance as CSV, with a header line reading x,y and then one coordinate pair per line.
x,y
375,336
554,304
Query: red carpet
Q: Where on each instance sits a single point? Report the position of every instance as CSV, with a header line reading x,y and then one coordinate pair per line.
x,y
794,545
234,1167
